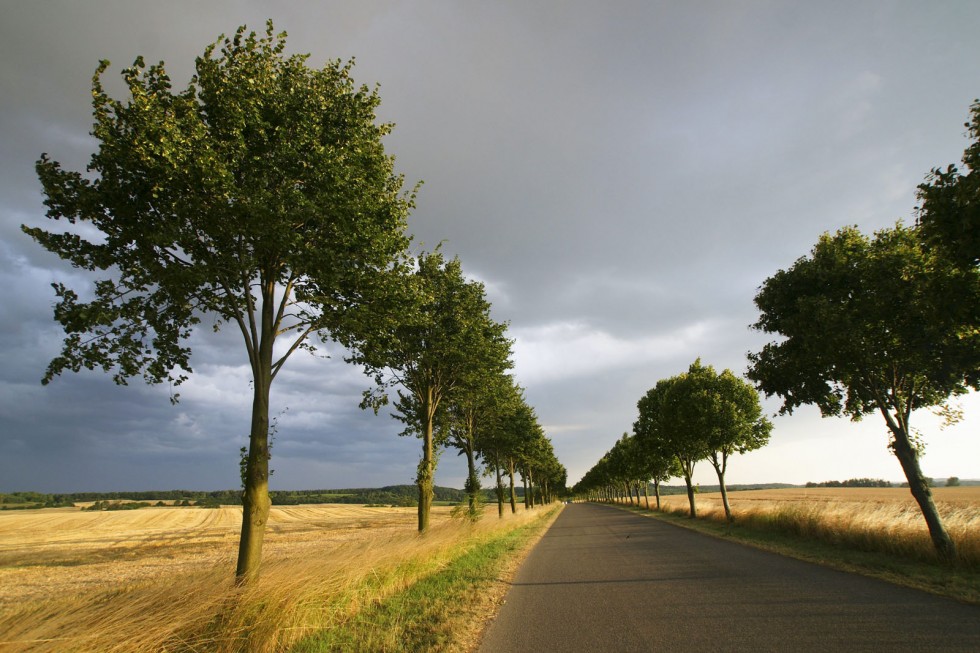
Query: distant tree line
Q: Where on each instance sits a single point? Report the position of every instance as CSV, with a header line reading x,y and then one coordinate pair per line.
x,y
694,416
852,482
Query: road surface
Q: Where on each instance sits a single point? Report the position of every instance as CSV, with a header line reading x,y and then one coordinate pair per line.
x,y
603,579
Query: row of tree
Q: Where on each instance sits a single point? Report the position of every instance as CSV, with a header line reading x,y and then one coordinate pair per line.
x,y
888,323
261,197
694,416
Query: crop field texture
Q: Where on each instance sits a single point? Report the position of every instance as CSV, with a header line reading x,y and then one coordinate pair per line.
x,y
48,553
161,578
882,519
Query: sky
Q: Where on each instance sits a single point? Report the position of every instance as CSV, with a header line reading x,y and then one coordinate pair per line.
x,y
621,176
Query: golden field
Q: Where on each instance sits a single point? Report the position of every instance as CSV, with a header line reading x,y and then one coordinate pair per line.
x,y
875,519
50,552
162,578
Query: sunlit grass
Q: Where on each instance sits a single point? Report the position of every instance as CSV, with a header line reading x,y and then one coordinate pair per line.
x,y
298,593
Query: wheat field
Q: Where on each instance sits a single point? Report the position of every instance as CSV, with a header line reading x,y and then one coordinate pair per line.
x,y
876,519
162,578
48,553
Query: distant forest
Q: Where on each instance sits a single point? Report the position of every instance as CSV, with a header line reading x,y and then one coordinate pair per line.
x,y
394,495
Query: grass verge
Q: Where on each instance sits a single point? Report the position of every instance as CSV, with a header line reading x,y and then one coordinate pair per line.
x,y
443,611
961,582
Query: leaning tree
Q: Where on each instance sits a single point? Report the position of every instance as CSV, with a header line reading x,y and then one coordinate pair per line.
x,y
260,195
872,325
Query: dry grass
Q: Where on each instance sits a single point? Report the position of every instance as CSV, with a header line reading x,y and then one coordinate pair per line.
x,y
161,579
885,520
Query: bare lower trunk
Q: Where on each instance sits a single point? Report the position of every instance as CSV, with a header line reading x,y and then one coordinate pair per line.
x,y
656,492
720,465
472,481
255,497
513,492
646,494
255,494
427,465
500,492
690,497
909,460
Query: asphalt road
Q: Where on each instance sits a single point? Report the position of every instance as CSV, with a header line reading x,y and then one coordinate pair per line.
x,y
603,580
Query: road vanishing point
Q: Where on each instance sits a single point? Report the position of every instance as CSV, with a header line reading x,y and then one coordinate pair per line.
x,y
603,580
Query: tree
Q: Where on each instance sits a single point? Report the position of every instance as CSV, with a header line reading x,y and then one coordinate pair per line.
x,y
658,460
672,421
865,328
953,481
503,445
474,407
729,415
949,204
445,338
261,195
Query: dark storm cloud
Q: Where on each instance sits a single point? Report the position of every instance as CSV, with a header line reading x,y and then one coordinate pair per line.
x,y
622,177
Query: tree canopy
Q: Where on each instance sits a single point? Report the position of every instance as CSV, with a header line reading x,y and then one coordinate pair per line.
x,y
260,195
870,324
446,339
949,203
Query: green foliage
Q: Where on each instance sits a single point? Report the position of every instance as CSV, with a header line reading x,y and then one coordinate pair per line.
x,y
953,481
260,195
116,505
868,324
853,482
949,204
873,324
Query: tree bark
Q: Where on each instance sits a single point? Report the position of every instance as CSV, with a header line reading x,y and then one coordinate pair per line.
x,y
472,479
646,493
255,494
426,464
688,473
513,493
720,466
909,460
500,492
656,492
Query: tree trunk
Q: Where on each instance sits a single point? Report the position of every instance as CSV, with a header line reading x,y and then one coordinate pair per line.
x,y
255,497
500,492
646,493
690,497
720,467
909,460
472,479
427,464
656,492
513,493
255,494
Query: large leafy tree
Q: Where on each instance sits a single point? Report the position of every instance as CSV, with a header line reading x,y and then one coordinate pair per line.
x,y
669,420
728,415
445,337
260,195
871,325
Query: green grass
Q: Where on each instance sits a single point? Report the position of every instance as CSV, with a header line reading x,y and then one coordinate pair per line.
x,y
958,582
430,614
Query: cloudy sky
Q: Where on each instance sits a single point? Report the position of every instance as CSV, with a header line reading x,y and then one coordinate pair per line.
x,y
622,176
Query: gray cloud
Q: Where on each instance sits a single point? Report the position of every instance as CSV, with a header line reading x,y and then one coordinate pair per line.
x,y
622,177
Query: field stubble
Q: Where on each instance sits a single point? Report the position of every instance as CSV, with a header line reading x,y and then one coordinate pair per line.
x,y
162,578
873,519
